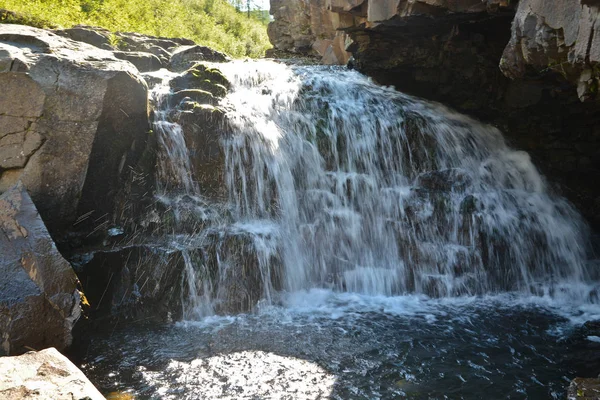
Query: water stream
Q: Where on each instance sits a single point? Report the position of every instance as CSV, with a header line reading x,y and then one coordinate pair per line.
x,y
378,245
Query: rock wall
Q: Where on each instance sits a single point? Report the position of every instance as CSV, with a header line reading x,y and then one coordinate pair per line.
x,y
73,118
39,300
308,27
528,67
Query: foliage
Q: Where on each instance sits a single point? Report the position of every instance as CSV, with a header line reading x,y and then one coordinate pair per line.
x,y
213,23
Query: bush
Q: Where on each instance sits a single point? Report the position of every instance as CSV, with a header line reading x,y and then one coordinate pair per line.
x,y
213,23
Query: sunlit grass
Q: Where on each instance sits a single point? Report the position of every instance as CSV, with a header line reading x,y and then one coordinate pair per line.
x,y
213,23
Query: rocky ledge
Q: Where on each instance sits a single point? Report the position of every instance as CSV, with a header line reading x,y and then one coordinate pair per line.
x,y
79,164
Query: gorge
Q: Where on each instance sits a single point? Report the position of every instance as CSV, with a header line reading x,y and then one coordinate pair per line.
x,y
268,229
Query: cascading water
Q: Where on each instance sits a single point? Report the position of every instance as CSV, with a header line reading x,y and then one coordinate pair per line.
x,y
375,192
389,247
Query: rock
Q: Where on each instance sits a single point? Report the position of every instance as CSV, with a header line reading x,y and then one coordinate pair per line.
x,y
131,281
203,77
73,118
98,37
203,130
39,300
444,180
584,389
45,374
308,28
144,62
186,56
561,37
194,95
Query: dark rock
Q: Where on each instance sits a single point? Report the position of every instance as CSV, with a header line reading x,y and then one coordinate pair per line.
x,y
186,56
444,180
95,36
141,281
39,300
44,375
194,95
71,126
203,130
144,62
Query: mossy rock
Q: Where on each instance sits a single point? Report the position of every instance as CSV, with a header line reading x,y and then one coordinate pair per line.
x,y
204,78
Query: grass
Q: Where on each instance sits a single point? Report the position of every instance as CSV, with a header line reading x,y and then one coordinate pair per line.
x,y
213,23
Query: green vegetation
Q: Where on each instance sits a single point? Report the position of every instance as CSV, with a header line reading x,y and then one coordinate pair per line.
x,y
213,23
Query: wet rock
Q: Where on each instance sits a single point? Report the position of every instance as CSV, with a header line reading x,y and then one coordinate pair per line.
x,y
194,95
73,120
143,61
131,281
446,180
186,56
39,300
584,389
243,269
46,374
203,132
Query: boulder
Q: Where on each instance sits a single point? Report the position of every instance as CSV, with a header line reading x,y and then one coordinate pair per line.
x,y
186,56
44,375
73,119
202,76
39,300
98,37
144,62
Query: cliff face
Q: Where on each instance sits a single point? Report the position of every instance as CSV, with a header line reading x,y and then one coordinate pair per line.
x,y
530,68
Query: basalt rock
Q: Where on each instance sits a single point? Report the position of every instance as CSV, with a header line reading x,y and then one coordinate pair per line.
x,y
143,61
135,281
186,56
160,47
39,300
308,28
73,119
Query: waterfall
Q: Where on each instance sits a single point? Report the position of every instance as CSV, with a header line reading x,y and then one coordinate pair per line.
x,y
335,182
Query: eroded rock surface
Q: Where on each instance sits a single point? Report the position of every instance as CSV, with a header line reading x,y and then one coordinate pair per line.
x,y
39,300
46,374
562,36
73,117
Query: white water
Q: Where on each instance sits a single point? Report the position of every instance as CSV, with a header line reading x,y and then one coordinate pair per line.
x,y
386,246
337,183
